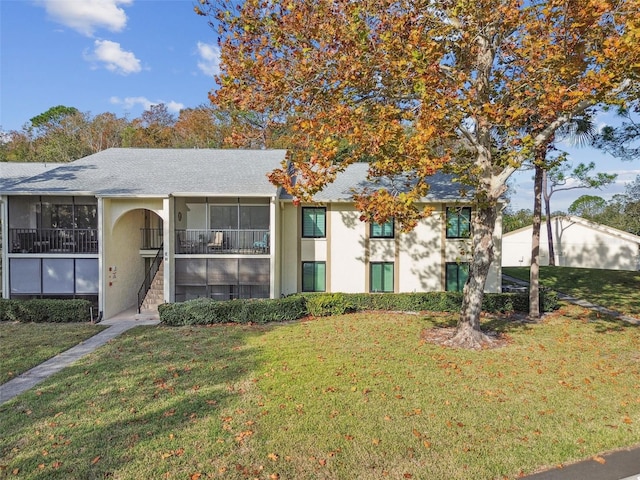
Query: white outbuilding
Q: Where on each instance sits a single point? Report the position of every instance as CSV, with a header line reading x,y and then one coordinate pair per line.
x,y
577,243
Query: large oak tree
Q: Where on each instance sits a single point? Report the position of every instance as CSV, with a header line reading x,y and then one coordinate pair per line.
x,y
474,86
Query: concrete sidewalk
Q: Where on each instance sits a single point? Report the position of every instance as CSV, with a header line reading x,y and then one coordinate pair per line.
x,y
618,465
576,301
117,325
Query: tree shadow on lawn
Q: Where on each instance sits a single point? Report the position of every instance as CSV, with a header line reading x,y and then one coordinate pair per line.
x,y
497,326
608,324
142,397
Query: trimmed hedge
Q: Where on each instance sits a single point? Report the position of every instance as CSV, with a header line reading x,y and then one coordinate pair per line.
x,y
45,310
205,311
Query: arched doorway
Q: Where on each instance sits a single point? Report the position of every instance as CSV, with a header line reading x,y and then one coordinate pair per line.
x,y
132,239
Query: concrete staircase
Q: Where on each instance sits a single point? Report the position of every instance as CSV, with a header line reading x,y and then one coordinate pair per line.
x,y
154,297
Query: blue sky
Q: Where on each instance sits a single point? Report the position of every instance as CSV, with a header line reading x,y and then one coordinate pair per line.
x,y
121,56
100,56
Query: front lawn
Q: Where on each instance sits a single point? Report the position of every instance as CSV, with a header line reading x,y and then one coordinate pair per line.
x,y
353,396
614,289
23,345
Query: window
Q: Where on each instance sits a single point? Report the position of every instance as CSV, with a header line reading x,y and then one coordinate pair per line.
x,y
456,275
381,277
222,278
313,276
314,222
382,230
458,222
63,277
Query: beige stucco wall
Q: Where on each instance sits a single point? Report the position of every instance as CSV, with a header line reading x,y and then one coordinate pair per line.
x,y
576,244
346,271
419,256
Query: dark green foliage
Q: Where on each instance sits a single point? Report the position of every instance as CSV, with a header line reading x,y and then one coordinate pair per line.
x,y
327,304
205,311
45,310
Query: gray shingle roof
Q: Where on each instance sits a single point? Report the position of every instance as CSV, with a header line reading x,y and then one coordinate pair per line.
x,y
442,186
144,172
131,172
12,173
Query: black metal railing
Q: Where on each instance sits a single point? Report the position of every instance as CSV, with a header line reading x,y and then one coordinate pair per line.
x,y
53,240
253,241
150,238
149,276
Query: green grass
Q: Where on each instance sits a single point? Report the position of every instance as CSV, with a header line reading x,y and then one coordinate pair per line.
x,y
23,346
614,289
353,396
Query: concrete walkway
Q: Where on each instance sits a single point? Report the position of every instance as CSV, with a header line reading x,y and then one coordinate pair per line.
x,y
583,303
117,325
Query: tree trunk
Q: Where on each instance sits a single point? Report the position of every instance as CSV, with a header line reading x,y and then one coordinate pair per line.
x,y
547,210
534,272
468,333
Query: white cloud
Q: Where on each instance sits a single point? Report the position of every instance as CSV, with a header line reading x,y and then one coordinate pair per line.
x,y
114,58
174,107
85,16
209,55
129,103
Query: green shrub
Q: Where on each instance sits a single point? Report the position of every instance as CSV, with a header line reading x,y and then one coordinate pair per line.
x,y
45,310
204,311
274,310
326,304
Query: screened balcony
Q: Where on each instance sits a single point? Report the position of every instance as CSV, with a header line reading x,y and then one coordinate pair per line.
x,y
227,241
51,224
222,226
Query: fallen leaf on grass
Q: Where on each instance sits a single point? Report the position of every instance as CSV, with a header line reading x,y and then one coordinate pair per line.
x,y
95,460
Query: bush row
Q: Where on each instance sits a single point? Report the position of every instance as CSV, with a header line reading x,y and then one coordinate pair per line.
x,y
45,310
205,311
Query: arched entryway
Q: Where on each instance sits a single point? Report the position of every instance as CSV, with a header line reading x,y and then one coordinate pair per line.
x,y
133,238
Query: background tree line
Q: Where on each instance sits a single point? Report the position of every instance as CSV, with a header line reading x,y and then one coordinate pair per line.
x,y
64,134
622,211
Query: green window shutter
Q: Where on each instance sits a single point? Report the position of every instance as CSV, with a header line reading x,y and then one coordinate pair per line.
x,y
313,276
313,222
307,277
382,230
458,222
456,275
320,277
464,222
320,222
451,277
381,277
387,275
452,223
376,277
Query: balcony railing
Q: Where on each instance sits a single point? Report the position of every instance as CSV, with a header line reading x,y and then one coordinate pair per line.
x,y
53,240
222,241
151,238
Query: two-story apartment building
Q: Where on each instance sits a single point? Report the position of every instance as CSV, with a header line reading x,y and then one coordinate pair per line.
x,y
213,226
